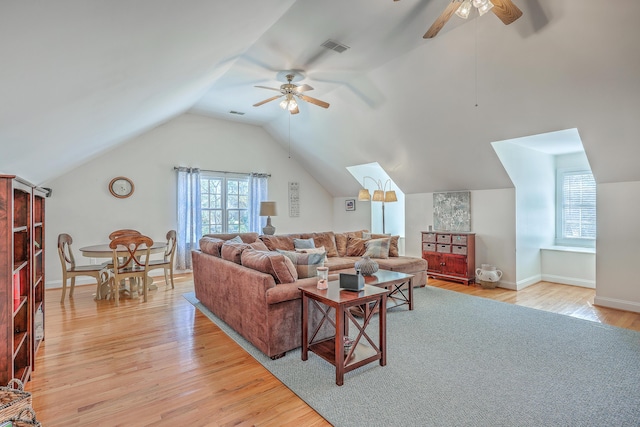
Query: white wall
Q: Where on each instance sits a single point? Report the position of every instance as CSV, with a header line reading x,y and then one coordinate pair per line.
x,y
492,219
82,206
533,175
344,220
570,266
618,250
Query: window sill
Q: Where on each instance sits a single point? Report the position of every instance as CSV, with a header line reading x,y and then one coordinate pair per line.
x,y
576,249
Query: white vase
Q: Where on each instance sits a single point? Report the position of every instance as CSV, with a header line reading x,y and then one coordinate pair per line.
x,y
488,273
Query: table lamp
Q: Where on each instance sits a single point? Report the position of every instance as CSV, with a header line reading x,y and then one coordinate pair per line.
x,y
268,209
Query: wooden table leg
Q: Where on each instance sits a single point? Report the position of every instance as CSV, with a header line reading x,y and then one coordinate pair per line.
x,y
411,294
383,330
305,327
339,345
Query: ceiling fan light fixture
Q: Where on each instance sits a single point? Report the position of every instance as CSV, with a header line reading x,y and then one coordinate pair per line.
x,y
486,7
464,9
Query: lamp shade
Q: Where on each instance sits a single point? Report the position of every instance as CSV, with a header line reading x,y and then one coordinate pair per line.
x,y
378,196
364,195
268,209
390,196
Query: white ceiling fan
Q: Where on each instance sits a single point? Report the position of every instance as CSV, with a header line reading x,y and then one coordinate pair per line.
x,y
290,92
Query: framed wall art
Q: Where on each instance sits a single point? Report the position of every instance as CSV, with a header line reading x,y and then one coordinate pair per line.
x,y
452,211
350,205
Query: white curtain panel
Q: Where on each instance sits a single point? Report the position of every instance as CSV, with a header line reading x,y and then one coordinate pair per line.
x,y
189,216
258,187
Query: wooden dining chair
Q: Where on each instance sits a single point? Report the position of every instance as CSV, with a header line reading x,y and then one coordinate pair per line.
x,y
70,270
166,262
123,232
130,260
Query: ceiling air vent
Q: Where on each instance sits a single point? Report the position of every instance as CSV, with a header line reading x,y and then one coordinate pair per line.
x,y
338,47
236,113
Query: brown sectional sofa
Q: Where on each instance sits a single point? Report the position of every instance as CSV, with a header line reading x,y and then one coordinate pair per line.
x,y
263,303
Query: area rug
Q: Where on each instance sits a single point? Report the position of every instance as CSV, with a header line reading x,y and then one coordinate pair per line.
x,y
459,360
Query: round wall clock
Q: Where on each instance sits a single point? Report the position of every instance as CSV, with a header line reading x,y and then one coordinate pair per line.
x,y
121,187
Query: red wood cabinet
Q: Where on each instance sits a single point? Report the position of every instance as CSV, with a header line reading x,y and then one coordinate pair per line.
x,y
450,255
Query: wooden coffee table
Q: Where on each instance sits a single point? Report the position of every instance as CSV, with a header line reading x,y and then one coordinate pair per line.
x,y
332,349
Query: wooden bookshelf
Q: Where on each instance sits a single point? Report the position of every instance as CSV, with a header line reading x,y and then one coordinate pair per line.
x,y
21,276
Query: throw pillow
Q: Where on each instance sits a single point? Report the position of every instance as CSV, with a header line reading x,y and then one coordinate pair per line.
x,y
306,264
377,248
231,251
355,246
211,245
236,239
259,245
328,240
320,250
393,248
284,242
342,240
273,263
304,243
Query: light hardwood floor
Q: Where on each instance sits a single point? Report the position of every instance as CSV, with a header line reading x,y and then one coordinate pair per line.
x,y
163,363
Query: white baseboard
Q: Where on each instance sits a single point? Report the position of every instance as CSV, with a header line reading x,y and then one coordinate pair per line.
x,y
617,304
569,281
521,284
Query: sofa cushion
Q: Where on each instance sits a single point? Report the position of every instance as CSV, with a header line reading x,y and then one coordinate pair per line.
x,y
377,248
306,264
304,243
273,263
211,245
283,242
328,240
231,251
393,249
342,240
246,237
403,264
355,246
340,263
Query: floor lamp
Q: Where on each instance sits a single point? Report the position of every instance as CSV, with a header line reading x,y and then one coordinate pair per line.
x,y
380,195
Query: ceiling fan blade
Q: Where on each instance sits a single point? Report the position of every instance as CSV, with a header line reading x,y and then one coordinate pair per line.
x,y
442,20
295,110
267,87
315,101
506,11
267,100
303,88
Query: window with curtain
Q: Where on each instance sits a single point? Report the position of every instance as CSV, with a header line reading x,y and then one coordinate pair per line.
x,y
576,208
216,202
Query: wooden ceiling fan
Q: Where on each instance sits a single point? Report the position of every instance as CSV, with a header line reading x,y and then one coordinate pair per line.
x,y
503,9
290,92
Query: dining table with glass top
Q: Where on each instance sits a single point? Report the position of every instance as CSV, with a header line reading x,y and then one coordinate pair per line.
x,y
104,251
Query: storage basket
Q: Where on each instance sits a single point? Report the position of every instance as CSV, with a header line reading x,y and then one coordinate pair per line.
x,y
13,400
26,418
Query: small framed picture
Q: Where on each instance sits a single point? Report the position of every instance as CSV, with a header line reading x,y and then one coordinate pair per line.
x,y
350,205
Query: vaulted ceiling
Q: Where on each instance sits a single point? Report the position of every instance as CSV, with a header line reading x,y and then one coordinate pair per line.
x,y
80,77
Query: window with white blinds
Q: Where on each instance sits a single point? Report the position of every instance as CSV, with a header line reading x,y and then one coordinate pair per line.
x,y
576,210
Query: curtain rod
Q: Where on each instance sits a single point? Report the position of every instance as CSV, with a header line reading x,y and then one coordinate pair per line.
x,y
175,168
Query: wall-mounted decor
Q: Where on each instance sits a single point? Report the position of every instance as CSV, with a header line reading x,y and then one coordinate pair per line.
x,y
452,211
294,199
350,205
